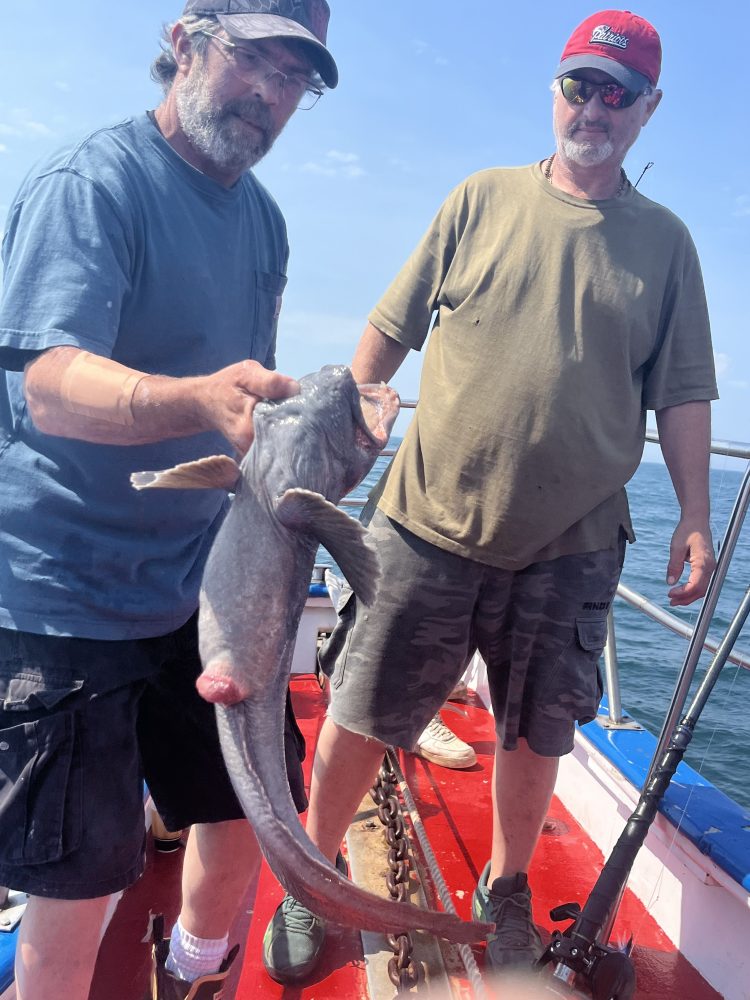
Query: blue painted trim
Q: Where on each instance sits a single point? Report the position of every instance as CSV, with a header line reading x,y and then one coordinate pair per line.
x,y
318,590
7,957
716,824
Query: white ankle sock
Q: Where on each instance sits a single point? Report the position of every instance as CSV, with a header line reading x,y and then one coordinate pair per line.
x,y
191,957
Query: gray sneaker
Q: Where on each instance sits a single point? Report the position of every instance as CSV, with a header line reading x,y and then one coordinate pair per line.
x,y
294,938
515,942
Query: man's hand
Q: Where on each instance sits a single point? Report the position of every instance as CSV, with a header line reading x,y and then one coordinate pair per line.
x,y
227,399
691,543
685,438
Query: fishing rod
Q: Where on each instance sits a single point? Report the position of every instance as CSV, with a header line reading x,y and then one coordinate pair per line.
x,y
647,167
582,949
705,615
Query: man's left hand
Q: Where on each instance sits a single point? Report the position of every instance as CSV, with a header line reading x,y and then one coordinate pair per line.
x,y
691,543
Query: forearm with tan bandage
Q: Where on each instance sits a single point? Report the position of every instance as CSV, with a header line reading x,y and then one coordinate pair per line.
x,y
77,394
99,388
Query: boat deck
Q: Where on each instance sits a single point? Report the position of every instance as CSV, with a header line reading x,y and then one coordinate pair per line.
x,y
451,805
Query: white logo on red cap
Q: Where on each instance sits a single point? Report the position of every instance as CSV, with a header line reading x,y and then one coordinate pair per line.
x,y
604,35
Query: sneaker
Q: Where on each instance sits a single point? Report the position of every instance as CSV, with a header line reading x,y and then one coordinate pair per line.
x,y
294,939
166,986
438,744
515,941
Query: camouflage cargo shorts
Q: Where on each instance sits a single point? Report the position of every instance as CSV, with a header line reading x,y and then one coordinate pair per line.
x,y
541,631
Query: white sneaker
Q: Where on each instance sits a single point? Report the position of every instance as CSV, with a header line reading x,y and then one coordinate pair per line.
x,y
438,744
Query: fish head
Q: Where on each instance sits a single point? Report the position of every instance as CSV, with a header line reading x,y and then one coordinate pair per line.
x,y
326,438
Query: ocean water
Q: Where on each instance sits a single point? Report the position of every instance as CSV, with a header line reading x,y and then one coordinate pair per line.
x,y
650,656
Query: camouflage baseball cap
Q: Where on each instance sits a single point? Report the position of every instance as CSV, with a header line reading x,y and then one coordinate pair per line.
x,y
306,20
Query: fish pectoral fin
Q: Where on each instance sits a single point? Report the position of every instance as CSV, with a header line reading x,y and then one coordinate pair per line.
x,y
219,472
345,538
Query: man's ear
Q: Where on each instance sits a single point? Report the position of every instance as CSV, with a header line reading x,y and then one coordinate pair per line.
x,y
182,48
652,103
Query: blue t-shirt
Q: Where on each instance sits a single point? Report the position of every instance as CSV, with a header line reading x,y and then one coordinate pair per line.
x,y
120,247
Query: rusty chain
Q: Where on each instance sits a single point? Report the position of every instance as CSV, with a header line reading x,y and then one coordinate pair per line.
x,y
403,971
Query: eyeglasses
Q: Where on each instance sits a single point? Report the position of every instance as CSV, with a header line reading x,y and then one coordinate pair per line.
x,y
253,68
613,95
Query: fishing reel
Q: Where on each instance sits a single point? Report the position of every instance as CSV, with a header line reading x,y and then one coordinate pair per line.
x,y
609,972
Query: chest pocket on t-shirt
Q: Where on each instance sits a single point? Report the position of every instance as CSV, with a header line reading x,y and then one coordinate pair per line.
x,y
269,289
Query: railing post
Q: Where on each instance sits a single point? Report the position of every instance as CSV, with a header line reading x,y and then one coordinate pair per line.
x,y
615,719
612,671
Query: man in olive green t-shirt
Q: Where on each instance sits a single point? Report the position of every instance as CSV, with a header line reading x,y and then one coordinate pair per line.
x,y
565,305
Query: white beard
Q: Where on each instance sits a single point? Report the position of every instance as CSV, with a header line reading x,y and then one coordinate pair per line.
x,y
586,154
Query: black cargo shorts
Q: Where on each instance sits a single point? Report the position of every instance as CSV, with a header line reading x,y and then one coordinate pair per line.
x,y
75,751
541,630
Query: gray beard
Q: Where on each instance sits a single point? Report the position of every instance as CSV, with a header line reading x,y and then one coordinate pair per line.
x,y
586,154
216,132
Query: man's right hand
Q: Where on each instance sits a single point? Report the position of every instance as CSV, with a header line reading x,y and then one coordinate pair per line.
x,y
227,399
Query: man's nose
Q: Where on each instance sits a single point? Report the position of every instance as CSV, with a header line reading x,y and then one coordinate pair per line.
x,y
591,111
271,88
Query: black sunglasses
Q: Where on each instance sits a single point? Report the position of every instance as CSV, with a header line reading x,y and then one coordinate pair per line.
x,y
613,95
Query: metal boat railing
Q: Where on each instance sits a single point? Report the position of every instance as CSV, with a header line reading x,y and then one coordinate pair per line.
x,y
615,718
697,636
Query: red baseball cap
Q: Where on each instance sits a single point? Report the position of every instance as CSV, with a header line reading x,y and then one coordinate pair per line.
x,y
618,42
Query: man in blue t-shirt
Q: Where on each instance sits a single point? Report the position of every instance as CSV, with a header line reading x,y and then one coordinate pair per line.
x,y
136,261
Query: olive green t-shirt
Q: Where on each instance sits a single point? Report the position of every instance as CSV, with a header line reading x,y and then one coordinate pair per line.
x,y
557,323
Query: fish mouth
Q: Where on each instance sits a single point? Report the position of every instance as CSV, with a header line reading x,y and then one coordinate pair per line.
x,y
379,406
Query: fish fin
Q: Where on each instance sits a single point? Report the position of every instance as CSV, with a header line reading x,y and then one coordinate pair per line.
x,y
216,472
345,538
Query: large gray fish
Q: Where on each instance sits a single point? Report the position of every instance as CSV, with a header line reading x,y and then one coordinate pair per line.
x,y
309,451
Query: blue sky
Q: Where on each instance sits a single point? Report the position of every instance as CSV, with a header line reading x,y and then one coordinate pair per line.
x,y
428,94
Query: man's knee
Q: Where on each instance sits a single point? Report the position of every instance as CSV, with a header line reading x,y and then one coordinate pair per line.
x,y
232,838
44,918
336,741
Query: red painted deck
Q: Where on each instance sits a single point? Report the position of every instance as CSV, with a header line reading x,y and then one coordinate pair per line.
x,y
454,806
